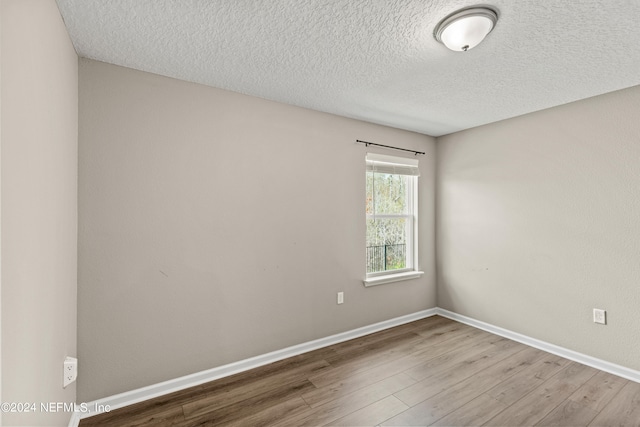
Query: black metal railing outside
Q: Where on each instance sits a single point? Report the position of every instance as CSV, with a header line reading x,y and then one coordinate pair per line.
x,y
386,257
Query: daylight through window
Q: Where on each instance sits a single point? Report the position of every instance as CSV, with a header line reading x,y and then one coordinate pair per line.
x,y
391,212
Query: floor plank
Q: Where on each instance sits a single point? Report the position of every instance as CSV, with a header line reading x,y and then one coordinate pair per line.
x,y
586,402
510,391
545,398
271,415
623,410
349,403
373,414
452,354
211,401
476,412
457,402
424,325
569,413
161,415
243,408
458,369
318,396
599,390
458,339
456,396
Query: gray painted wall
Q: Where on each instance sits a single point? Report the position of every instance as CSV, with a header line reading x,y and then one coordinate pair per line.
x,y
539,223
215,226
39,102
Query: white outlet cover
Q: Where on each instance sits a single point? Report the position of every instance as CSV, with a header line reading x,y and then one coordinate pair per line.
x,y
70,371
599,316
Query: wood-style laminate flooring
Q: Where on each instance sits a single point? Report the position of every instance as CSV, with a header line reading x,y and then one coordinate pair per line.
x,y
430,372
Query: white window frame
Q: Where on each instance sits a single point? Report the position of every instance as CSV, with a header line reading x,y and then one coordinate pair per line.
x,y
407,167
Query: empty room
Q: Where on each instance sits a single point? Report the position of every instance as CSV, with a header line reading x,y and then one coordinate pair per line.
x,y
308,213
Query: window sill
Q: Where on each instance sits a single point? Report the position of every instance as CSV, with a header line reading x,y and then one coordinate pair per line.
x,y
390,278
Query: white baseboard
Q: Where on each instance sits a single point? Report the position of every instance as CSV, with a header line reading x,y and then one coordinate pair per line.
x,y
600,364
166,387
75,419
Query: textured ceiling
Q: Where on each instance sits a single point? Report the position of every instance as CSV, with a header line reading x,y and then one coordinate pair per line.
x,y
372,60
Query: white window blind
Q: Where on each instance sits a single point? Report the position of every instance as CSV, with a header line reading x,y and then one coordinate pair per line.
x,y
379,163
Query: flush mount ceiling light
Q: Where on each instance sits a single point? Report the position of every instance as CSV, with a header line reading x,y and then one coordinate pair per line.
x,y
466,28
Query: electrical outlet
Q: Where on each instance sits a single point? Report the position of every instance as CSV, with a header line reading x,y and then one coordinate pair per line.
x,y
599,316
70,371
340,297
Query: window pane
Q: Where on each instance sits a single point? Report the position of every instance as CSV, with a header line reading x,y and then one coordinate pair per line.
x,y
386,244
386,193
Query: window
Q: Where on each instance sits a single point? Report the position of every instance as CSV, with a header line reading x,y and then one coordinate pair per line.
x,y
391,215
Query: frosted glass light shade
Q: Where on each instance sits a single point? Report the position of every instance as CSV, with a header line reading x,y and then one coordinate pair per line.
x,y
466,28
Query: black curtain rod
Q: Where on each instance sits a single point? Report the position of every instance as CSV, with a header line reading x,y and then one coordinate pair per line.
x,y
388,146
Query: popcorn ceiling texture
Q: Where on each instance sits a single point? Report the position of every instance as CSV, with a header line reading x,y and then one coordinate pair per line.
x,y
375,61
